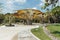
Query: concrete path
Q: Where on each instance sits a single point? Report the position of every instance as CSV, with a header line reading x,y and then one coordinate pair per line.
x,y
23,31
25,35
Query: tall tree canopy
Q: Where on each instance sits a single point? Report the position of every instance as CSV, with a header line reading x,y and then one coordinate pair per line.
x,y
50,2
56,11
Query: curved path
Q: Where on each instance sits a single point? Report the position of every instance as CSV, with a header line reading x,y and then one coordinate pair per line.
x,y
25,35
22,31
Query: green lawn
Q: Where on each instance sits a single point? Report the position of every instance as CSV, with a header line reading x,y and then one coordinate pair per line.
x,y
38,32
54,29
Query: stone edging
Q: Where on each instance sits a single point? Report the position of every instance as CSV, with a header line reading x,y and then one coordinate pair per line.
x,y
48,33
34,35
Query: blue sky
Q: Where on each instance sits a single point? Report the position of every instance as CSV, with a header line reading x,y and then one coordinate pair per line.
x,y
11,5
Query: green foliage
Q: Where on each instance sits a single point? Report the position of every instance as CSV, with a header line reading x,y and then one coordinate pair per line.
x,y
56,11
54,29
40,33
1,18
9,18
50,2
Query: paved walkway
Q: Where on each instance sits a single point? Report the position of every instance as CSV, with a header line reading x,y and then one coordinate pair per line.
x,y
25,35
23,31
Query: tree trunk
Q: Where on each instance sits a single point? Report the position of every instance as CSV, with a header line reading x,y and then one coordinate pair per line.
x,y
28,22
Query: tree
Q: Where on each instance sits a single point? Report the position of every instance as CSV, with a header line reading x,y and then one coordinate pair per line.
x,y
56,13
50,2
1,15
9,18
29,16
1,18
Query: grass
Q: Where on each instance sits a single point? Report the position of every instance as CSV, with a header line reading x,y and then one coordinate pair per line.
x,y
54,29
38,32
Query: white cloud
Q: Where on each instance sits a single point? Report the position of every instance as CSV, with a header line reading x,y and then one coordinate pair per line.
x,y
8,5
59,2
34,8
43,1
41,4
21,1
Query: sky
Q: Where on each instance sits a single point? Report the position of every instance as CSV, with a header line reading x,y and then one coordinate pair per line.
x,y
9,6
